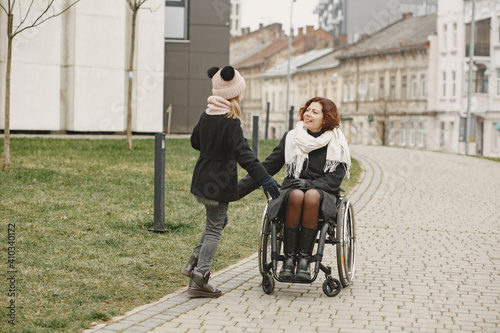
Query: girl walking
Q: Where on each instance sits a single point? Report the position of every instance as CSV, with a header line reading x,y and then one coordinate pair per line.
x,y
219,138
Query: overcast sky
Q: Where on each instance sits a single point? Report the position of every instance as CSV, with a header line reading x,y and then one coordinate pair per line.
x,y
267,12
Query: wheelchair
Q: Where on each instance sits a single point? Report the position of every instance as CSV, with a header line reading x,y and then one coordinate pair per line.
x,y
339,231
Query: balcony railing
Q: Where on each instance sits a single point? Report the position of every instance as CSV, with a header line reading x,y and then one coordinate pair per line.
x,y
480,49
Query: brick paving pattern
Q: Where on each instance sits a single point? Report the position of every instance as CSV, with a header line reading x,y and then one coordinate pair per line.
x,y
428,260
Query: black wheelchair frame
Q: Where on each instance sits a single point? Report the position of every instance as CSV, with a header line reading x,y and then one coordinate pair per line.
x,y
339,232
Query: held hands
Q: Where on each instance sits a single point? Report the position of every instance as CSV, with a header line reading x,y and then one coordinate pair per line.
x,y
298,183
271,187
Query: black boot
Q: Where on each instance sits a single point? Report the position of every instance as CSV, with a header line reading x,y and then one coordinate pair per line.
x,y
190,265
289,245
199,287
307,239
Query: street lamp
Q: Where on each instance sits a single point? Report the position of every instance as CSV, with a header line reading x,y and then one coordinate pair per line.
x,y
288,68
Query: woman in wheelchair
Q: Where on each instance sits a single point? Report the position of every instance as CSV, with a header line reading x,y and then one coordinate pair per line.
x,y
317,158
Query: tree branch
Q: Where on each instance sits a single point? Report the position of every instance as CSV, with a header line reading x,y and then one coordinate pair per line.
x,y
5,10
36,23
27,13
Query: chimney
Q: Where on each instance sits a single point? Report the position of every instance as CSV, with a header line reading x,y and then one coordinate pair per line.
x,y
407,15
301,32
310,29
261,26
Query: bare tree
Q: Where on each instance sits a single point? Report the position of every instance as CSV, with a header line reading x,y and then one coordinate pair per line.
x,y
135,5
25,23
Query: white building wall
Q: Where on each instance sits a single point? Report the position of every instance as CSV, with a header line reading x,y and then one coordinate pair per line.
x,y
71,72
34,76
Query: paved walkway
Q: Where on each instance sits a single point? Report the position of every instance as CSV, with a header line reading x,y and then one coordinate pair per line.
x,y
428,260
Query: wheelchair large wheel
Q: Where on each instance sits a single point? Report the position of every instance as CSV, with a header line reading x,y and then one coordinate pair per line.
x,y
265,245
346,246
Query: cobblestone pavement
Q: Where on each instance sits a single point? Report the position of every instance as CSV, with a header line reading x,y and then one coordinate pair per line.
x,y
428,260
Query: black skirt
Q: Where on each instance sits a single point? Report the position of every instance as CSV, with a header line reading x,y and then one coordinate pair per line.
x,y
277,207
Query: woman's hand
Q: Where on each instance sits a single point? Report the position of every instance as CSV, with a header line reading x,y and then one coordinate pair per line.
x,y
270,186
298,183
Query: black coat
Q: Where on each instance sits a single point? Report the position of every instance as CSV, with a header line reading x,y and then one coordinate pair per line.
x,y
328,184
221,144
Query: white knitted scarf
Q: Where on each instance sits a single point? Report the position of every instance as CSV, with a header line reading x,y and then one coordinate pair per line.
x,y
217,106
299,144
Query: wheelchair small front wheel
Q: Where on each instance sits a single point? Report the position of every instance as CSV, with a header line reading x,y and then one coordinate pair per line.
x,y
331,287
268,283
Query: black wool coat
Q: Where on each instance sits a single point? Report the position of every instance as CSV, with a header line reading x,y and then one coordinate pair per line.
x,y
328,184
222,146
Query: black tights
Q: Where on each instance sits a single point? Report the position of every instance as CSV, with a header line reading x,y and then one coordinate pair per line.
x,y
303,209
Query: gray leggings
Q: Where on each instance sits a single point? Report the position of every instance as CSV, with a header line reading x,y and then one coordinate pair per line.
x,y
209,240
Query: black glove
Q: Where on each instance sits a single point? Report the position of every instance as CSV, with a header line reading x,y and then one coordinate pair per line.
x,y
270,186
298,183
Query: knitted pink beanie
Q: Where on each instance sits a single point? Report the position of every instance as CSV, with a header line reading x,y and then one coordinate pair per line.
x,y
227,82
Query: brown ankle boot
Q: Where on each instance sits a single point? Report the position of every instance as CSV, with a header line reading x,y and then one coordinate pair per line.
x,y
191,264
199,287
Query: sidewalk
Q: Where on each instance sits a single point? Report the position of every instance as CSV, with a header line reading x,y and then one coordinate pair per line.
x,y
428,260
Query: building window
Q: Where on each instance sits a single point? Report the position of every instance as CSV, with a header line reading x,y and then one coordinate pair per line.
x,y
453,83
371,90
498,29
402,133
420,134
176,19
345,93
498,82
351,91
445,37
404,87
481,38
411,141
391,134
495,132
454,36
392,92
362,90
423,88
413,87
442,136
381,89
443,92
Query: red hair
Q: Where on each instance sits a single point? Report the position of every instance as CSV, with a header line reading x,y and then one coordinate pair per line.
x,y
331,118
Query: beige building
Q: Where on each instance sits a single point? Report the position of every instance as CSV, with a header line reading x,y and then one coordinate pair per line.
x,y
255,52
386,82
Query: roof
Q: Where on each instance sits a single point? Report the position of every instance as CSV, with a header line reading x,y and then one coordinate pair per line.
x,y
405,34
296,62
326,61
260,55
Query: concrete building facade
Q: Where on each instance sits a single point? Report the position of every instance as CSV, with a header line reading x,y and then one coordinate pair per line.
x,y
70,74
204,44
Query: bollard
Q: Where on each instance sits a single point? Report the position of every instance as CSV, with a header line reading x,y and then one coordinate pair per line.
x,y
255,136
267,118
290,119
159,190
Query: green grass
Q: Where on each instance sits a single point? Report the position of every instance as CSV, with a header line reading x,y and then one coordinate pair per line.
x,y
82,209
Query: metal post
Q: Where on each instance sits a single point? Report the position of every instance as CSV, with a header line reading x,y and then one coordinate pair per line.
x,y
288,68
255,136
290,119
471,67
267,118
159,190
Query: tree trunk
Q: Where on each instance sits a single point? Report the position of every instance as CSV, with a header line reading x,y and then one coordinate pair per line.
x,y
6,142
131,82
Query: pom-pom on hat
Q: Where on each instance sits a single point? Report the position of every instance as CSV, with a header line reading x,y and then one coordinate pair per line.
x,y
226,82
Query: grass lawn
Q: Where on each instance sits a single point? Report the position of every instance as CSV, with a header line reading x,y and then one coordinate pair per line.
x,y
81,210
